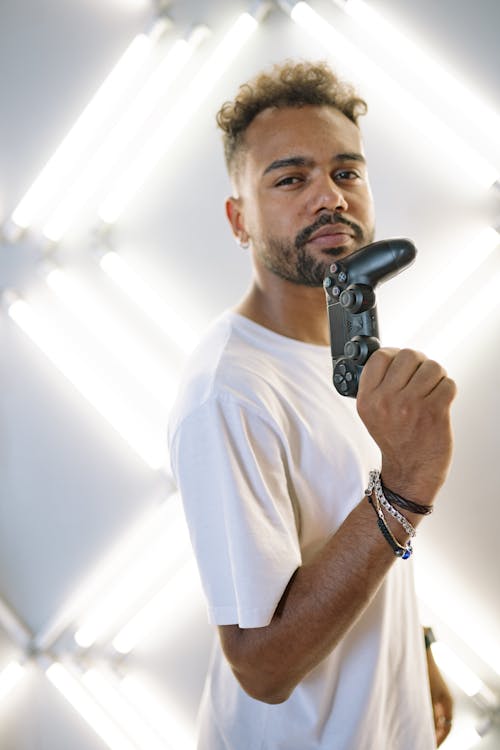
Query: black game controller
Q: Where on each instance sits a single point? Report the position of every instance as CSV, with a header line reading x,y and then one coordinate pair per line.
x,y
351,307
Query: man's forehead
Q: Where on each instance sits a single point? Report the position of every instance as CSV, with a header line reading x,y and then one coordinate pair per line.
x,y
303,132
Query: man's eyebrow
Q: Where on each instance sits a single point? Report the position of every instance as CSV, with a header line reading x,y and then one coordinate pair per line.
x,y
288,161
303,161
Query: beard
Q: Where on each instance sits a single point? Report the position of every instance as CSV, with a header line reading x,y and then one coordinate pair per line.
x,y
291,260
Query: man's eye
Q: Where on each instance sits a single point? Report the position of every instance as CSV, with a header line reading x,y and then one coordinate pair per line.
x,y
347,174
291,180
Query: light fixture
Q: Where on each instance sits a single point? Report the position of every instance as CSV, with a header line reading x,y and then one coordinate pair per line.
x,y
478,169
177,119
467,319
178,594
130,426
121,711
461,98
119,138
121,554
167,721
81,134
106,328
164,316
157,562
456,669
443,283
88,707
10,677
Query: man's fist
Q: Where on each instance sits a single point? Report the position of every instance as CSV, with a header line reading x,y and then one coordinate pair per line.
x,y
404,400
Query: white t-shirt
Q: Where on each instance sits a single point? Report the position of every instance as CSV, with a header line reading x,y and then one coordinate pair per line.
x,y
270,460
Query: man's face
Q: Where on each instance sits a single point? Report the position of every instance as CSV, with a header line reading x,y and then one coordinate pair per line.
x,y
303,193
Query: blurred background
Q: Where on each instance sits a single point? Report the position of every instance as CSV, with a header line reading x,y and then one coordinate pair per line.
x,y
115,255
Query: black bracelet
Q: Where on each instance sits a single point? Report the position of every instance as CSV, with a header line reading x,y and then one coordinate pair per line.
x,y
394,499
398,549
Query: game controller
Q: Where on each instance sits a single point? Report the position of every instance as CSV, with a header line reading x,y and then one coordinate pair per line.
x,y
351,306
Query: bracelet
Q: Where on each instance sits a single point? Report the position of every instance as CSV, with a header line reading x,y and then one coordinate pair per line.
x,y
395,499
429,638
375,484
399,550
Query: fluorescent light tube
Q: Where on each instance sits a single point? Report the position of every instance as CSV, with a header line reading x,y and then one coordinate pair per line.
x,y
149,302
10,677
177,119
105,327
73,691
121,711
480,172
429,70
75,368
70,150
122,134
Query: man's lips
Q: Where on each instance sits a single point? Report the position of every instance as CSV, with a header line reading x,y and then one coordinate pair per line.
x,y
331,235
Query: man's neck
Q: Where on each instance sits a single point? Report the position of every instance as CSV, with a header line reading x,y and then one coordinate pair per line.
x,y
292,310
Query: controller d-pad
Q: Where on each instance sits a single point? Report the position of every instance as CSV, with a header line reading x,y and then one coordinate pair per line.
x,y
345,378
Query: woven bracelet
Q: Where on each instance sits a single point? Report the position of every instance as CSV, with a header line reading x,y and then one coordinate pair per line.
x,y
374,485
404,504
399,550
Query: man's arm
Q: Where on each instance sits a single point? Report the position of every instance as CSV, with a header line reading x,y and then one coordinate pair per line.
x,y
404,401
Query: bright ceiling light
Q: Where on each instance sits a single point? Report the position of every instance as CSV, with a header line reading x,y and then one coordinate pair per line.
x,y
480,172
81,134
149,302
178,594
121,711
76,694
123,553
175,122
10,677
429,70
137,584
159,713
131,427
456,670
115,145
467,319
105,327
443,283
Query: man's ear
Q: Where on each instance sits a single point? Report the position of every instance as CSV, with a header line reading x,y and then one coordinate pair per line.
x,y
234,214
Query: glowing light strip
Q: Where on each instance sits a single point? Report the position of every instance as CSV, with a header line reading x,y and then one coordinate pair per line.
x,y
168,723
177,119
144,576
122,554
115,144
425,67
76,370
477,168
466,320
10,677
121,711
86,705
445,282
176,595
82,132
111,333
456,670
149,302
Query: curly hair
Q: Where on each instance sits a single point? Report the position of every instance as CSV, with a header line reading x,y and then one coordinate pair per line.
x,y
290,84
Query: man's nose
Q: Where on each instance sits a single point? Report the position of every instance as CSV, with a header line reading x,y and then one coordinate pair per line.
x,y
328,195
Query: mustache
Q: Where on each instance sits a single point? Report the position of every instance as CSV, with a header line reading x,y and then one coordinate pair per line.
x,y
327,218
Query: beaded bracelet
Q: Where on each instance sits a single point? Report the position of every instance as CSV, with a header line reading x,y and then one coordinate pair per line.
x,y
399,550
375,485
404,504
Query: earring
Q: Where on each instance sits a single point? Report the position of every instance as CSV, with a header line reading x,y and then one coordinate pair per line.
x,y
243,245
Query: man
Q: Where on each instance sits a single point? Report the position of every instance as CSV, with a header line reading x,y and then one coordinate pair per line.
x,y
319,643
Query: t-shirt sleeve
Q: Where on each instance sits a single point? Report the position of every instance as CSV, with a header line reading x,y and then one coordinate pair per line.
x,y
229,463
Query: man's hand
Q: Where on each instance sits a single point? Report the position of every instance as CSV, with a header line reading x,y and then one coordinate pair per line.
x,y
404,400
442,702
